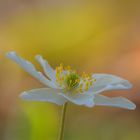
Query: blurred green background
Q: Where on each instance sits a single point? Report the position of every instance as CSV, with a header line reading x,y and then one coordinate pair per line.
x,y
91,36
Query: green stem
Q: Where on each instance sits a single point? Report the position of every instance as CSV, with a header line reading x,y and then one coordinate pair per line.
x,y
62,123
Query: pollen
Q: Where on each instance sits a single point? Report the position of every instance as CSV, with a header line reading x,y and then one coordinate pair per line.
x,y
68,68
70,80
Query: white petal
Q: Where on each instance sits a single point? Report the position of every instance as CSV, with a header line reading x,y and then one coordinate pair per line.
x,y
29,67
44,95
106,82
48,70
79,99
114,102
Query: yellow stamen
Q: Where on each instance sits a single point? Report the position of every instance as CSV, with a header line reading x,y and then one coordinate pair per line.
x,y
68,68
70,80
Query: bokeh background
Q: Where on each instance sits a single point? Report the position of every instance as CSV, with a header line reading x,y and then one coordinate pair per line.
x,y
91,36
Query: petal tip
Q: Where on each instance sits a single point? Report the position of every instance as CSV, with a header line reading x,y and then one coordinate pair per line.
x,y
9,54
128,85
37,56
23,95
132,107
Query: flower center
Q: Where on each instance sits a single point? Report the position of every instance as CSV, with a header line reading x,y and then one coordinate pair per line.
x,y
72,80
68,79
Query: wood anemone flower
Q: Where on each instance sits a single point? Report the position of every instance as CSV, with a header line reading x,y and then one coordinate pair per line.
x,y
64,85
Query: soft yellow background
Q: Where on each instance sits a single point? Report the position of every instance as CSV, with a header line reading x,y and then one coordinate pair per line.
x,y
91,36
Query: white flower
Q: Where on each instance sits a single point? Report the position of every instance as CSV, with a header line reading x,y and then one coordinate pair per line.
x,y
65,85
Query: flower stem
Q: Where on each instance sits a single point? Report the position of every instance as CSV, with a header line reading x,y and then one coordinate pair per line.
x,y
62,123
